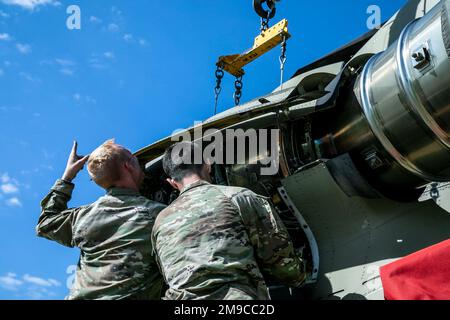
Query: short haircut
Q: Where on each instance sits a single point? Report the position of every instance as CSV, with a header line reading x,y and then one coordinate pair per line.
x,y
105,161
183,159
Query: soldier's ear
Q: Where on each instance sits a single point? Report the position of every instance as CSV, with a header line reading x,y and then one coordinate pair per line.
x,y
173,183
127,166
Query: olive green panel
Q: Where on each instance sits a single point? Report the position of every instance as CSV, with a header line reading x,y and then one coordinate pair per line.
x,y
355,235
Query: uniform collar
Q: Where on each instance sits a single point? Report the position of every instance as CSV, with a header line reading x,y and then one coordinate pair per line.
x,y
116,191
193,185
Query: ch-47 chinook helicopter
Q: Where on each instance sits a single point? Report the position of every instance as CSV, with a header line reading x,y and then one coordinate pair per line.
x,y
364,153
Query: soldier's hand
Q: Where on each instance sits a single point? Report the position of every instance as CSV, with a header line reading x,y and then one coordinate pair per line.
x,y
75,163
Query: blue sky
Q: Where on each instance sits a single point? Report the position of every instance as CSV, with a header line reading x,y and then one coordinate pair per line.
x,y
136,71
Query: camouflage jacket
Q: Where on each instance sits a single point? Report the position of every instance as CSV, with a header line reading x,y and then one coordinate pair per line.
x,y
215,242
113,234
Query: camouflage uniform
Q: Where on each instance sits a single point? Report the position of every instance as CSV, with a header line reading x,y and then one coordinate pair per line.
x,y
215,242
113,235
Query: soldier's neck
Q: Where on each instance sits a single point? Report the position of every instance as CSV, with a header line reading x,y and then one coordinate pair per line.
x,y
126,184
190,180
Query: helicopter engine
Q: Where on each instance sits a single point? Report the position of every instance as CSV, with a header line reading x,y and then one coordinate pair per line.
x,y
396,121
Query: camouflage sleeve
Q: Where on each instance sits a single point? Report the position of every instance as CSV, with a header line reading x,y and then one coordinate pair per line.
x,y
271,240
55,222
155,253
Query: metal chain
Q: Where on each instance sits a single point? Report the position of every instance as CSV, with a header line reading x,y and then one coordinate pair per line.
x,y
238,93
265,15
218,88
264,24
283,59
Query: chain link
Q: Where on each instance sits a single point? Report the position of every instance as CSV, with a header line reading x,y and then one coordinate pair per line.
x,y
218,88
283,59
265,15
264,24
238,90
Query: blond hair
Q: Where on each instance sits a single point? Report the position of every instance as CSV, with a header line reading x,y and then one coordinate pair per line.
x,y
104,163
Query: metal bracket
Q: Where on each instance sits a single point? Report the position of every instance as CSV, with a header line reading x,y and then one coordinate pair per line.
x,y
421,57
309,235
266,41
434,192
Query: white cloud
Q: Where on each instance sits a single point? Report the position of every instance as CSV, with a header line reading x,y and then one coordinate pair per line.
x,y
66,72
29,286
23,48
117,15
29,77
6,108
14,202
24,172
10,282
94,19
47,167
46,62
97,64
41,282
65,63
34,294
109,55
24,143
54,282
31,4
48,155
39,293
4,14
101,61
143,42
5,178
128,37
66,66
9,188
79,98
90,100
5,37
113,27
116,11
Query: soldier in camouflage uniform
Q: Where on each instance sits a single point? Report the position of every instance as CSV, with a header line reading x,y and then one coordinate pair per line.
x,y
216,242
113,233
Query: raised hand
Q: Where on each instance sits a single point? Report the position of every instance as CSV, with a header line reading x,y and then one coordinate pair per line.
x,y
75,164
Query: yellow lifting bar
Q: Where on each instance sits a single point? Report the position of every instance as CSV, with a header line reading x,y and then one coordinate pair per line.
x,y
266,41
